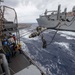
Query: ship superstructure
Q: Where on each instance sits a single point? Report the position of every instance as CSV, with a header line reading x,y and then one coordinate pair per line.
x,y
57,19
21,63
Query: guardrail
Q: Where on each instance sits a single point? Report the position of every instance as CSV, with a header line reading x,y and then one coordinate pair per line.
x,y
42,73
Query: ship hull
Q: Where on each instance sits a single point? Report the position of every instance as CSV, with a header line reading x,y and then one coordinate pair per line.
x,y
44,22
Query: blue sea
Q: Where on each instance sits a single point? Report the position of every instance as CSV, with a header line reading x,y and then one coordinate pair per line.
x,y
59,57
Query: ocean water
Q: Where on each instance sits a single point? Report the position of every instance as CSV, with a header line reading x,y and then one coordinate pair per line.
x,y
59,57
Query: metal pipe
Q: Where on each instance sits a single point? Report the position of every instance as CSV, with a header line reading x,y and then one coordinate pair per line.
x,y
65,13
58,13
5,64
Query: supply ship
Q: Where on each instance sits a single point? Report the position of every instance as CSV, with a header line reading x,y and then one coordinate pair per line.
x,y
57,19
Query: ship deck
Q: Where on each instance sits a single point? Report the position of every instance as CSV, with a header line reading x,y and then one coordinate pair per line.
x,y
17,63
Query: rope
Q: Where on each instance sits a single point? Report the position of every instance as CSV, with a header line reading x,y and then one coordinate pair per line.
x,y
59,27
53,37
71,22
55,33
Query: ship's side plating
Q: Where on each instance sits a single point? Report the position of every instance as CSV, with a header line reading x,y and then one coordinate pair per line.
x,y
66,19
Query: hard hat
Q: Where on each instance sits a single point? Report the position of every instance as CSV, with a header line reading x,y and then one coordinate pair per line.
x,y
13,34
19,44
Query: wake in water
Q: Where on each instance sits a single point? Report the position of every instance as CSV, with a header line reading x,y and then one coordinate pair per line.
x,y
59,57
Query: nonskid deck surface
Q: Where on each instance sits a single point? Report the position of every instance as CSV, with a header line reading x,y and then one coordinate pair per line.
x,y
18,63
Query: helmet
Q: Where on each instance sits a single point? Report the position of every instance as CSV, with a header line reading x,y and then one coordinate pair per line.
x,y
19,44
13,34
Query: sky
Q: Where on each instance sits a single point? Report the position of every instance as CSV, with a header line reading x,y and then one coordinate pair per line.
x,y
29,10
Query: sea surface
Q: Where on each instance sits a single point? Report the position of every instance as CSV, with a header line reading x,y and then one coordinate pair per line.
x,y
59,56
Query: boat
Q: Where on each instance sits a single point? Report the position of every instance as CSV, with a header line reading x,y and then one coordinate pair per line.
x,y
21,64
58,20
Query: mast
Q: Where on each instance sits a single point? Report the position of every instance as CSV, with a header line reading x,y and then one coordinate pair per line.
x,y
1,16
58,13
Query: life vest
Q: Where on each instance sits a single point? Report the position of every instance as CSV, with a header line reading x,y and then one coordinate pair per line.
x,y
11,40
18,46
4,42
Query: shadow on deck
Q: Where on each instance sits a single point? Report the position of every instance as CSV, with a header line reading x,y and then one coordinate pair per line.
x,y
18,63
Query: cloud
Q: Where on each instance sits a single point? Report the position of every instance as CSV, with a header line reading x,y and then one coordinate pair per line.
x,y
43,4
27,13
40,4
13,3
64,4
29,10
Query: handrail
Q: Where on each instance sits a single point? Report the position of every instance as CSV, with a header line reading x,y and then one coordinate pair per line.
x,y
5,64
24,53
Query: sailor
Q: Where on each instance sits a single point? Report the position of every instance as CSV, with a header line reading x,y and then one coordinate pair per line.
x,y
11,40
11,47
6,49
14,37
34,34
39,29
44,42
18,48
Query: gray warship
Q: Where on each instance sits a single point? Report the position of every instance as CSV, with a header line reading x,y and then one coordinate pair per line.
x,y
57,19
21,64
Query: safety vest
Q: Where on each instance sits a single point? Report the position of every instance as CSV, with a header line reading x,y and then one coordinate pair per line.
x,y
18,46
